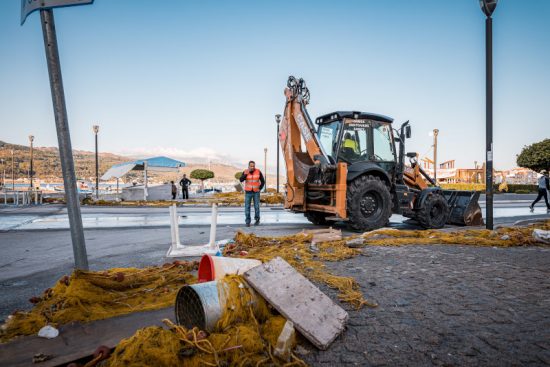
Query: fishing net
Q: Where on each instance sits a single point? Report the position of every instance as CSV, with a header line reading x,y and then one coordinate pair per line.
x,y
245,335
222,199
87,296
306,257
500,237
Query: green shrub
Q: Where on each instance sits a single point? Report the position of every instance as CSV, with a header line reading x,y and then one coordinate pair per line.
x,y
525,189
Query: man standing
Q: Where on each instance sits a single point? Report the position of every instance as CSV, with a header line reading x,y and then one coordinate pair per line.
x,y
544,184
184,183
174,190
253,183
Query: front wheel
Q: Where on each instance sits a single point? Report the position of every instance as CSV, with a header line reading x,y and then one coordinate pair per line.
x,y
434,211
369,203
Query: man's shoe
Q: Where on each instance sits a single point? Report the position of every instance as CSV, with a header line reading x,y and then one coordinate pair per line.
x,y
257,222
531,209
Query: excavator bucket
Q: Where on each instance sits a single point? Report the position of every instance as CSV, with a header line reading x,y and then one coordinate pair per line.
x,y
464,207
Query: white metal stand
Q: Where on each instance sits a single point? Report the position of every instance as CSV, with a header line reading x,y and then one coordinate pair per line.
x,y
178,250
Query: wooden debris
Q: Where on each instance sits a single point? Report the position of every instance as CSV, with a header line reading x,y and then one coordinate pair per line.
x,y
324,234
313,313
76,341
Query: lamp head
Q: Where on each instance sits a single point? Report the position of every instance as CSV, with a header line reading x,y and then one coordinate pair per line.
x,y
278,118
488,6
95,128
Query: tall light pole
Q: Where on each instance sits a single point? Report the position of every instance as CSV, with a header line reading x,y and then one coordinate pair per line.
x,y
265,168
278,120
3,186
488,7
436,131
95,128
13,170
31,139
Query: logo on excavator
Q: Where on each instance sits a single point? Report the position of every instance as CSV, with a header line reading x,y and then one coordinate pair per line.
x,y
304,128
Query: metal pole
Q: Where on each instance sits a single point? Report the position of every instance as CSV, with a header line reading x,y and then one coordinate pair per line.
x,y
31,139
145,180
436,131
64,139
96,130
13,169
278,118
489,121
265,169
3,185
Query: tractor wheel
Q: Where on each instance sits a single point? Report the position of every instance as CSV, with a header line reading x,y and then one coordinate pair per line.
x,y
368,203
434,212
316,218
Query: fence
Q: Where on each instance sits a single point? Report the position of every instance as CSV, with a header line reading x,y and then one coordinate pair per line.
x,y
20,197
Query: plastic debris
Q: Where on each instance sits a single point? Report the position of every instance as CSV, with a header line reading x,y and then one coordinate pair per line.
x,y
48,332
541,235
285,342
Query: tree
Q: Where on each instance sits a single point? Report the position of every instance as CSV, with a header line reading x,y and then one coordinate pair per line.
x,y
202,174
535,156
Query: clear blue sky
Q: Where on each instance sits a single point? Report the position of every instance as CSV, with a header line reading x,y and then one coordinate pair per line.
x,y
206,77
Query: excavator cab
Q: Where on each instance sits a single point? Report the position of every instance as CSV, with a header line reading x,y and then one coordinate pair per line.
x,y
355,137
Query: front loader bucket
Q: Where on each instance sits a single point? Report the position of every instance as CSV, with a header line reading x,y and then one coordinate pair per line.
x,y
464,207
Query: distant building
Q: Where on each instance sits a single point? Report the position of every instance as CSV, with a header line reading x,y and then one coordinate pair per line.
x,y
447,173
520,176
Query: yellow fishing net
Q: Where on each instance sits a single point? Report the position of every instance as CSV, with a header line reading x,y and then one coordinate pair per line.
x,y
501,237
87,296
245,335
305,257
223,199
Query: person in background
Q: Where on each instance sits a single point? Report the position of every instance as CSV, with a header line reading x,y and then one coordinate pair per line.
x,y
253,183
544,185
174,190
185,183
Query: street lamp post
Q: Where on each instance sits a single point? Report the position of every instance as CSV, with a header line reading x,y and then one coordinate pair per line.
x,y
13,170
3,175
3,186
488,7
31,139
265,169
278,120
95,128
436,131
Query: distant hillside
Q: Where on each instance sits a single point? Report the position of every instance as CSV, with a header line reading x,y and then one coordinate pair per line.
x,y
48,167
47,164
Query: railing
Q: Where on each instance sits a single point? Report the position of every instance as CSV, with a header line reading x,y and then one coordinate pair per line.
x,y
20,197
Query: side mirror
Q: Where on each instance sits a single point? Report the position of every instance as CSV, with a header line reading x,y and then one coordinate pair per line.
x,y
411,155
408,132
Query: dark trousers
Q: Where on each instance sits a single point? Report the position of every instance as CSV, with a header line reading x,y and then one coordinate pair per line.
x,y
174,195
542,193
248,197
184,193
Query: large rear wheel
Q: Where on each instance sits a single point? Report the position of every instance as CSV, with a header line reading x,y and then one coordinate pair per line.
x,y
434,211
368,203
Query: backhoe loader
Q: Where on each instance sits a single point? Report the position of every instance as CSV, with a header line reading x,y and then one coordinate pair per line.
x,y
348,169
